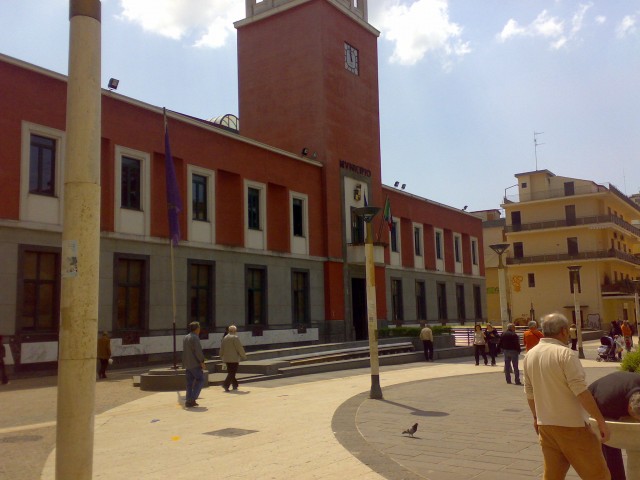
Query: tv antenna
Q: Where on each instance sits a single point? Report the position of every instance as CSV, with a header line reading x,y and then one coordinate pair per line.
x,y
535,145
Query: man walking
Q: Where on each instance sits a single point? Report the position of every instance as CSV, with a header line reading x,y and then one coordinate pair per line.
x,y
104,354
193,364
617,395
554,382
510,345
426,335
231,352
532,337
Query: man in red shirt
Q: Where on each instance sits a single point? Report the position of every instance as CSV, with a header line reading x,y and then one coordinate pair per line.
x,y
532,336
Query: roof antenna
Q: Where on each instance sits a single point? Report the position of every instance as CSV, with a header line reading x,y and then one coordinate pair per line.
x,y
535,146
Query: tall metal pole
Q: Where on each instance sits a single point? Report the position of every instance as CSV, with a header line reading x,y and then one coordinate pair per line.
x,y
367,214
575,269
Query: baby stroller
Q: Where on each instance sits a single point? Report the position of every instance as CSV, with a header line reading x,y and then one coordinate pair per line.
x,y
606,350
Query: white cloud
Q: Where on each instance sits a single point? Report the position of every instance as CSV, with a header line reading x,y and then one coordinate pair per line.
x,y
600,19
548,27
627,26
418,28
208,23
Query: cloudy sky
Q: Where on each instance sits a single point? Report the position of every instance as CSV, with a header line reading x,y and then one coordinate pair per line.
x,y
464,84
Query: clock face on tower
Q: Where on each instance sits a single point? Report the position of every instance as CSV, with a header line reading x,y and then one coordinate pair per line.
x,y
351,58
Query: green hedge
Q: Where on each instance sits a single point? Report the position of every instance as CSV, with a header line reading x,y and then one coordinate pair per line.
x,y
631,362
411,331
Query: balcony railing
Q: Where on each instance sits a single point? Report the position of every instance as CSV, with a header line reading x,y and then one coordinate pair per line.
x,y
626,286
556,193
596,219
561,257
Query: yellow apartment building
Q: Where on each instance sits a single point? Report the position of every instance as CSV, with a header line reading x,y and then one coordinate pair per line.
x,y
552,223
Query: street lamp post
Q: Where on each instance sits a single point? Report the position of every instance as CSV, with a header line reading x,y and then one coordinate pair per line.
x,y
575,273
367,214
500,248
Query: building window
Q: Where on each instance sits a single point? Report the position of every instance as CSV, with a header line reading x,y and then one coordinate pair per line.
x,y
256,287
460,301
199,197
417,240
300,296
421,300
131,279
42,165
457,248
474,252
477,301
130,183
253,208
201,292
575,277
357,228
518,250
38,289
351,61
439,252
572,245
394,237
532,279
441,292
298,217
396,300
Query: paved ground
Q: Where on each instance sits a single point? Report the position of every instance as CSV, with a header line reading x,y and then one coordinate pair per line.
x,y
472,425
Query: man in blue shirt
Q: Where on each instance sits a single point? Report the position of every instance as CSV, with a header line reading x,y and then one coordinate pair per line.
x,y
193,363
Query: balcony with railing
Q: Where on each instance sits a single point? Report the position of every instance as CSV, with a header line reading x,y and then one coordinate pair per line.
x,y
592,220
563,257
556,193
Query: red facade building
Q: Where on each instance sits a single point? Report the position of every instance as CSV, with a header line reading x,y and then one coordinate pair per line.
x,y
270,240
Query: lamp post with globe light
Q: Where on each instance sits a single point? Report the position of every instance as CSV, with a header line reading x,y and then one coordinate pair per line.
x,y
500,248
367,214
575,275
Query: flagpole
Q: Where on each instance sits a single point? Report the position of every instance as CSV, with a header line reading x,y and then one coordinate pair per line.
x,y
173,302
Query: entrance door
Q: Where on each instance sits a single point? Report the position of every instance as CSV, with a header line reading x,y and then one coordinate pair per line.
x,y
359,307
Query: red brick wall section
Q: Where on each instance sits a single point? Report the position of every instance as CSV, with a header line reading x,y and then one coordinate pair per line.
x,y
278,230
229,208
406,227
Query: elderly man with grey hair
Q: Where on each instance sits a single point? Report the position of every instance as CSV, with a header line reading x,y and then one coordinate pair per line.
x,y
617,396
554,382
532,337
231,352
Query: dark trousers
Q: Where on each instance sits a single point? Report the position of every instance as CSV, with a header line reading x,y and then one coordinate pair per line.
x,y
574,342
613,456
479,350
104,362
493,351
232,369
428,349
5,379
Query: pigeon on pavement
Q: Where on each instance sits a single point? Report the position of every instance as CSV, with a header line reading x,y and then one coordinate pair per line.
x,y
411,430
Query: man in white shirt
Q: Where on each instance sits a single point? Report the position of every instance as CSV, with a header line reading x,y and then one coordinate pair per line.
x,y
554,382
426,335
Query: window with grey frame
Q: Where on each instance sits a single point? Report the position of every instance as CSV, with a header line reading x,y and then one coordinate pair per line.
x,y
357,228
477,302
300,297
131,277
256,288
439,253
199,192
396,300
42,165
253,208
421,300
202,292
394,237
417,241
38,289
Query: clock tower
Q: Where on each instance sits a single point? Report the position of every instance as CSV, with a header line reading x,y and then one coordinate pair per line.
x,y
308,79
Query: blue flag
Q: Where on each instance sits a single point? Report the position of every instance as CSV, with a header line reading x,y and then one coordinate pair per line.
x,y
174,202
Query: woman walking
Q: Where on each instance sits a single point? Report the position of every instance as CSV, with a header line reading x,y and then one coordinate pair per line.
x,y
479,345
493,339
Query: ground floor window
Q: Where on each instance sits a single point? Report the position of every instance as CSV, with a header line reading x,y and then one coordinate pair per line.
x,y
131,276
38,289
460,301
396,300
300,296
256,300
421,301
441,291
201,292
